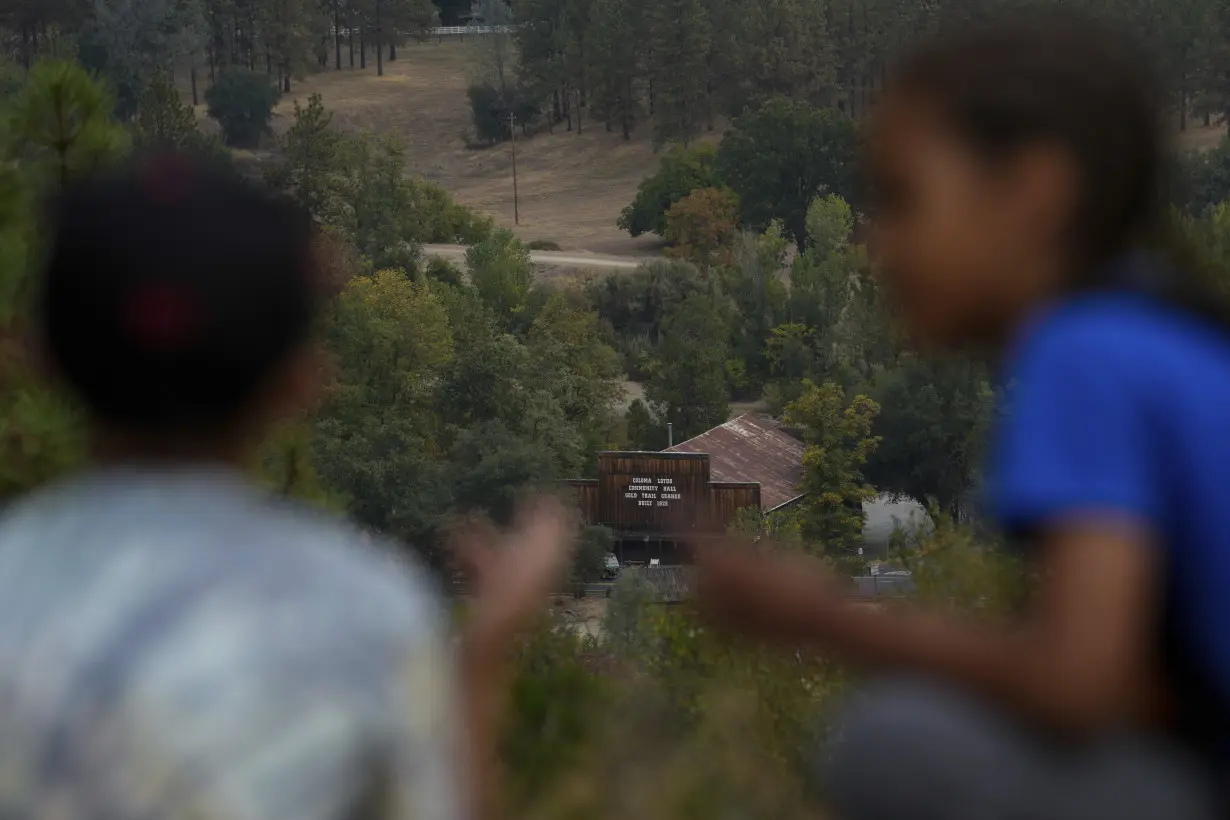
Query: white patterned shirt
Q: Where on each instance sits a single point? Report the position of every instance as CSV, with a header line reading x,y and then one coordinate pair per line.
x,y
176,644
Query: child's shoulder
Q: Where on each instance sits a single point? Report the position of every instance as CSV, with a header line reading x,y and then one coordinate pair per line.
x,y
341,555
1119,332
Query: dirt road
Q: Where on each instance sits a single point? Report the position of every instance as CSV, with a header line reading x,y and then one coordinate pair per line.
x,y
555,259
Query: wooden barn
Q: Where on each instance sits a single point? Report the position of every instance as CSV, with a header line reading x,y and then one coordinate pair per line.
x,y
652,501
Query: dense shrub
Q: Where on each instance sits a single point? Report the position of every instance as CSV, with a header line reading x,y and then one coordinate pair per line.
x,y
682,171
782,156
1202,179
665,718
242,102
634,303
702,226
543,245
491,108
442,270
442,219
122,75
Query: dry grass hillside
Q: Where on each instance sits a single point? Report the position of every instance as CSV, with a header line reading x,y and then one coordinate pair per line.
x,y
571,187
1199,137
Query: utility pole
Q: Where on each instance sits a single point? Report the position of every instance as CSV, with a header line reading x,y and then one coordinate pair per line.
x,y
512,132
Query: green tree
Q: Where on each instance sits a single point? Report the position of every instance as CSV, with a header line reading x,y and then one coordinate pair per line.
x,y
829,222
311,159
1202,179
1209,238
540,44
791,353
780,157
242,103
286,464
832,293
702,227
375,202
642,430
494,56
589,562
934,425
62,122
568,344
494,462
164,121
501,273
576,22
377,436
839,441
754,282
634,303
688,386
778,48
682,171
678,69
436,218
290,30
387,23
614,65
408,19
61,126
128,41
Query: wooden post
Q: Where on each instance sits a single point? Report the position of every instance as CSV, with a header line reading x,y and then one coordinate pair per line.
x,y
337,35
379,42
512,132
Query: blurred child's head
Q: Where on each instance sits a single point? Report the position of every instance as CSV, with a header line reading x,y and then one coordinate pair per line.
x,y
178,305
1011,163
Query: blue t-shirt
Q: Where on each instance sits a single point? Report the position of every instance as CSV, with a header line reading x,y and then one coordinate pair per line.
x,y
1117,403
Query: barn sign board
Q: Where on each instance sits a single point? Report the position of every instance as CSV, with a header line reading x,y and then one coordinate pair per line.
x,y
648,491
660,494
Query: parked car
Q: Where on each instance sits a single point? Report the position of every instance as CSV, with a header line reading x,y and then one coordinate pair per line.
x,y
610,566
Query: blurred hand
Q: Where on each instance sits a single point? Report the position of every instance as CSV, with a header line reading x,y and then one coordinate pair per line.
x,y
512,572
762,592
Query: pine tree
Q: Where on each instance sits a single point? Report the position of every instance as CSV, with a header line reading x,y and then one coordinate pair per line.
x,y
62,126
679,70
688,387
613,70
540,40
312,154
495,54
782,50
63,123
163,121
290,30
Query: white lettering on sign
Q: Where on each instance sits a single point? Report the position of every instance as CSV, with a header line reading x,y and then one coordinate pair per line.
x,y
652,492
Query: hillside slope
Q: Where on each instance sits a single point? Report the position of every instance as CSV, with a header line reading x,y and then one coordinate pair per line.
x,y
571,187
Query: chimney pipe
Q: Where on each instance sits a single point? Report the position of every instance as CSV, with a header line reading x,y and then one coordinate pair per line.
x,y
670,434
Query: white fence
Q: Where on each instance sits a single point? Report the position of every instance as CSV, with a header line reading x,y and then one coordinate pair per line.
x,y
452,31
461,31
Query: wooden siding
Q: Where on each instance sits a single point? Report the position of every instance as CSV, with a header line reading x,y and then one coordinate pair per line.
x,y
726,498
661,495
586,490
653,492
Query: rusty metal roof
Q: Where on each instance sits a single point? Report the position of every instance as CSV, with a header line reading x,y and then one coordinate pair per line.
x,y
752,448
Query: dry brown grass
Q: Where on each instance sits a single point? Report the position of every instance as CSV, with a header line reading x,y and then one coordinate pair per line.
x,y
571,187
1199,137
